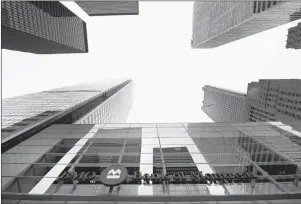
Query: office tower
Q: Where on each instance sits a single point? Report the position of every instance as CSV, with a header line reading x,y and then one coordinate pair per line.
x,y
105,8
294,37
42,27
90,103
223,105
269,152
274,100
218,23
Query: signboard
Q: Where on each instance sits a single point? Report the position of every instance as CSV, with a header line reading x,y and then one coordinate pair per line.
x,y
117,174
113,175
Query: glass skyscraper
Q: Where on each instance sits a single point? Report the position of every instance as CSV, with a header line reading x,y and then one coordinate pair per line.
x,y
42,27
90,103
221,22
223,105
274,100
269,153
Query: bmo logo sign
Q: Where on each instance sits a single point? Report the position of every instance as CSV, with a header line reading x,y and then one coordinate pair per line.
x,y
113,175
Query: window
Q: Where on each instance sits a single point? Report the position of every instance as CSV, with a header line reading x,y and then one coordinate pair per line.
x,y
31,120
258,11
263,5
254,6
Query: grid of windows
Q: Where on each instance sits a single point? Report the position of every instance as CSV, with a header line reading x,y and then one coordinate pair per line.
x,y
219,23
274,100
179,160
167,148
223,105
43,27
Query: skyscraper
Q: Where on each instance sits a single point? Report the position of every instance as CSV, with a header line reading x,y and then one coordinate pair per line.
x,y
249,162
42,27
91,103
223,105
294,37
218,23
274,100
105,8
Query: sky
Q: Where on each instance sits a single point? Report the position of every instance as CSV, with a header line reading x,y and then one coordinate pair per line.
x,y
153,49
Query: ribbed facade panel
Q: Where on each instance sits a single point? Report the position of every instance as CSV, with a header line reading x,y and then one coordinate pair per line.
x,y
114,110
219,23
223,105
42,27
105,8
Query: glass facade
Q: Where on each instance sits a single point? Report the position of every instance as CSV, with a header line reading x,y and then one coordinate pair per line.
x,y
42,27
105,8
221,22
268,151
106,101
223,105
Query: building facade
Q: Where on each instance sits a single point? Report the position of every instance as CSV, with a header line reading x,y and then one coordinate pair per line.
x,y
106,8
221,22
266,155
294,37
223,105
274,100
91,103
42,27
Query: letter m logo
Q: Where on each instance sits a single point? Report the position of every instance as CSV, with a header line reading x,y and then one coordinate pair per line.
x,y
112,174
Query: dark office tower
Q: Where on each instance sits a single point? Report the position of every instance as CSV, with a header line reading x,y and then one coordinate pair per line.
x,y
106,8
218,23
32,171
42,27
91,103
223,105
274,100
294,37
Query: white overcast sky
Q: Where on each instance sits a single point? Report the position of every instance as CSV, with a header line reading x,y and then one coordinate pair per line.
x,y
153,49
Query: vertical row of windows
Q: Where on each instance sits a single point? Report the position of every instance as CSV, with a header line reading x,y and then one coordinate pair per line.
x,y
259,6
